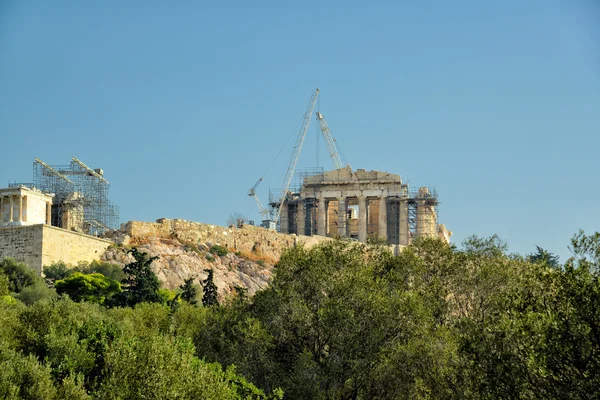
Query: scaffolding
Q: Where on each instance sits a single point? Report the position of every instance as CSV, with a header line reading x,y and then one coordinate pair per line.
x,y
412,214
422,213
80,196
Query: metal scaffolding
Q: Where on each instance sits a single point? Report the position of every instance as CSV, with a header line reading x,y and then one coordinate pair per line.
x,y
295,187
81,196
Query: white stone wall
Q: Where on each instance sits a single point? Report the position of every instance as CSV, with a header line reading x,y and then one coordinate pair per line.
x,y
35,209
39,245
71,247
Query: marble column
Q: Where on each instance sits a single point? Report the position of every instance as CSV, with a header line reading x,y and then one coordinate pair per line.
x,y
21,209
403,222
24,209
342,217
362,219
2,209
322,217
301,218
11,211
382,234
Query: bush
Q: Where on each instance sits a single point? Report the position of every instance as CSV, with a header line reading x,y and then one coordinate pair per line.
x,y
4,283
160,367
101,267
218,250
36,292
23,377
94,287
57,270
19,274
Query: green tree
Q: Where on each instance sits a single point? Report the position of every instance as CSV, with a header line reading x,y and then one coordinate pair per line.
x,y
544,256
38,291
160,367
586,250
346,325
19,274
107,269
57,270
209,298
4,285
141,283
94,287
71,339
189,291
23,377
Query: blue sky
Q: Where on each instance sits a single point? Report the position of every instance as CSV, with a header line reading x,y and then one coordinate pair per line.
x,y
185,104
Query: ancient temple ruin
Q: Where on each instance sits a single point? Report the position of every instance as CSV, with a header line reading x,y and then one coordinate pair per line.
x,y
361,204
24,206
78,198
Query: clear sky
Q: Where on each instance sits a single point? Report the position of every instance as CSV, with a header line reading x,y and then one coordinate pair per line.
x,y
185,104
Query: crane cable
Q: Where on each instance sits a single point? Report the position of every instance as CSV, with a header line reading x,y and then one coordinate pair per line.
x,y
283,147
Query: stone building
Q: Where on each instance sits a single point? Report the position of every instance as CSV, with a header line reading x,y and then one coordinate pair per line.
x,y
361,204
24,206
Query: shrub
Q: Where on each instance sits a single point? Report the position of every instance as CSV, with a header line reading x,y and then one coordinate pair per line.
x,y
102,267
94,287
36,292
218,250
57,270
19,274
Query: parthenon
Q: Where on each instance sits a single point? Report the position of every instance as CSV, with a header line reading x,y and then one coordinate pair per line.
x,y
361,204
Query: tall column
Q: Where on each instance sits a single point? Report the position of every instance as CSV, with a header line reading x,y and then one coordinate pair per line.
x,y
382,234
362,219
342,217
48,214
403,222
284,223
24,209
2,209
20,208
301,219
10,212
322,217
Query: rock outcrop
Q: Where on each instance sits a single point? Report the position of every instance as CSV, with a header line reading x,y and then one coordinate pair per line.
x,y
178,262
184,250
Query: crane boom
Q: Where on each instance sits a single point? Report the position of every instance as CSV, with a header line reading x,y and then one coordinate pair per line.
x,y
296,152
252,193
335,157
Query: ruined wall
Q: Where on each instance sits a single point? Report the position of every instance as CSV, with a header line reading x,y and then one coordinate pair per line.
x,y
39,245
246,239
23,243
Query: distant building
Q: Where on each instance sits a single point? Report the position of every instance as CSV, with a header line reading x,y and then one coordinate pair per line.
x,y
361,204
24,206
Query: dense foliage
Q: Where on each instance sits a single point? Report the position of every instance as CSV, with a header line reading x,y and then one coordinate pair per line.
x,y
340,321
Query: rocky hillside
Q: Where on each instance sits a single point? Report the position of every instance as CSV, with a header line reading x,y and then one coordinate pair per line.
x,y
177,262
184,250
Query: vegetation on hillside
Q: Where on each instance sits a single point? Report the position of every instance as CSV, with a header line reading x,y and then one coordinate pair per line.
x,y
340,321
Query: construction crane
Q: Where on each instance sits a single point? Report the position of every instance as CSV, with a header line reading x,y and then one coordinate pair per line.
x,y
333,153
252,193
296,152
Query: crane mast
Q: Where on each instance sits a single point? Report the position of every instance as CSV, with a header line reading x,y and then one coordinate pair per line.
x,y
296,152
333,153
